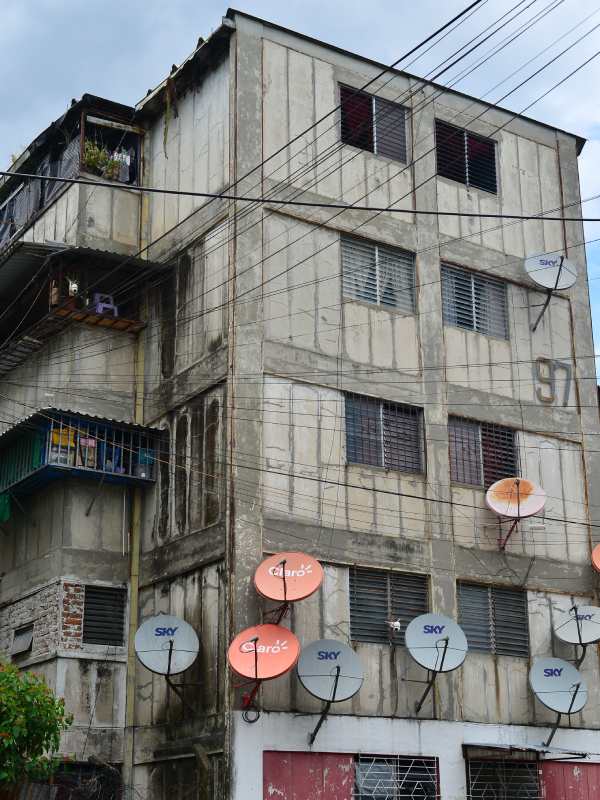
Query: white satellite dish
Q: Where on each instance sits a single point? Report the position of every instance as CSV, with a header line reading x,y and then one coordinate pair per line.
x,y
578,625
515,498
551,271
558,685
166,645
319,674
436,642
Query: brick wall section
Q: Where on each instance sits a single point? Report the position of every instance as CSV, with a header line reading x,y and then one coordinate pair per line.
x,y
41,608
72,616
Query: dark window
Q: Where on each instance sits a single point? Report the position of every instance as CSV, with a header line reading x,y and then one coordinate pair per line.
x,y
474,302
481,453
373,124
503,780
494,619
378,274
104,615
465,157
22,640
395,777
384,434
378,597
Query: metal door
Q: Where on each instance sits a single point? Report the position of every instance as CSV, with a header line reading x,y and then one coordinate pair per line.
x,y
307,776
570,780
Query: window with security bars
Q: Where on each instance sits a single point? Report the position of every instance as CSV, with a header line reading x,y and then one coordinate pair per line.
x,y
494,619
378,597
395,777
481,453
378,274
372,123
104,615
465,157
384,434
474,302
503,780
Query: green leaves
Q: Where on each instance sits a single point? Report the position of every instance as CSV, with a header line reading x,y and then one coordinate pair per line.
x,y
31,722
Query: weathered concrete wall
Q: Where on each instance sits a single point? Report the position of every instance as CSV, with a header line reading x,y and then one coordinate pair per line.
x,y
189,151
81,369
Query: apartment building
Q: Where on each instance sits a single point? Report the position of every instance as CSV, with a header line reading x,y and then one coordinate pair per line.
x,y
191,384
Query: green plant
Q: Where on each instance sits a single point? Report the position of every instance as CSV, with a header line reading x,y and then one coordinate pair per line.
x,y
31,722
98,159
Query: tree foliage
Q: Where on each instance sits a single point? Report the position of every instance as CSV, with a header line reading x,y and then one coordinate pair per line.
x,y
31,722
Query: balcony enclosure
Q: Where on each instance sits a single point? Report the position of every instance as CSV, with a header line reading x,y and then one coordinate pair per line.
x,y
52,443
93,139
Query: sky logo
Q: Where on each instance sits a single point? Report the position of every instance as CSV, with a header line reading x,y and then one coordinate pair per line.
x,y
331,655
553,672
433,628
165,631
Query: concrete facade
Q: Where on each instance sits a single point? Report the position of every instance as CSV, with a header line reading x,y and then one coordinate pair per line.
x,y
248,349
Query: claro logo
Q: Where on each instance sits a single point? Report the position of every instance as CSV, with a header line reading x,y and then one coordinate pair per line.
x,y
276,647
165,631
553,672
433,628
328,655
277,571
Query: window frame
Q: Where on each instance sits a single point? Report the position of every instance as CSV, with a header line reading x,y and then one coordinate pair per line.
x,y
467,137
492,591
379,251
479,282
502,763
374,115
394,763
415,412
486,480
89,642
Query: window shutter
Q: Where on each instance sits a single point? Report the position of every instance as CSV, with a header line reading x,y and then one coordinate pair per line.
x,y
457,298
104,615
390,129
481,162
357,118
359,269
503,780
465,451
450,151
491,314
499,453
510,622
396,278
363,430
377,596
22,640
474,616
474,302
403,437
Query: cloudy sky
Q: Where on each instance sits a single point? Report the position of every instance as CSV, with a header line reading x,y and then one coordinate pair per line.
x,y
54,50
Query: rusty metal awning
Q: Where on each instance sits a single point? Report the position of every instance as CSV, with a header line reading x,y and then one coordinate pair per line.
x,y
477,749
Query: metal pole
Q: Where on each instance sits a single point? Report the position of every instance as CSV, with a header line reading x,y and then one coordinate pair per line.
x,y
325,711
434,675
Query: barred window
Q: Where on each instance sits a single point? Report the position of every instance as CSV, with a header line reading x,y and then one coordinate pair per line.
x,y
474,302
104,615
372,123
494,619
395,777
378,597
465,157
503,780
378,274
384,434
481,453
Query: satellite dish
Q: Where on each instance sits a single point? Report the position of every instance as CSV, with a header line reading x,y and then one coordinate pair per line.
x,y
579,625
263,652
435,642
558,685
287,577
546,271
166,645
318,673
596,558
515,498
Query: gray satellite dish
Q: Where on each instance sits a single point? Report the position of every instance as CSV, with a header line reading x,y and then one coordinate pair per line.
x,y
579,625
166,645
558,685
318,673
436,642
551,271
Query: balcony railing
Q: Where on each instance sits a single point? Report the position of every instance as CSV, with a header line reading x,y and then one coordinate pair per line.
x,y
53,443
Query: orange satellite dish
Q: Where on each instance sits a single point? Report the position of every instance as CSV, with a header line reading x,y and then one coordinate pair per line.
x,y
263,652
287,577
515,498
596,558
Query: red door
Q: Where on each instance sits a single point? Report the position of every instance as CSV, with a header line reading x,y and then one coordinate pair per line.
x,y
570,780
307,776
